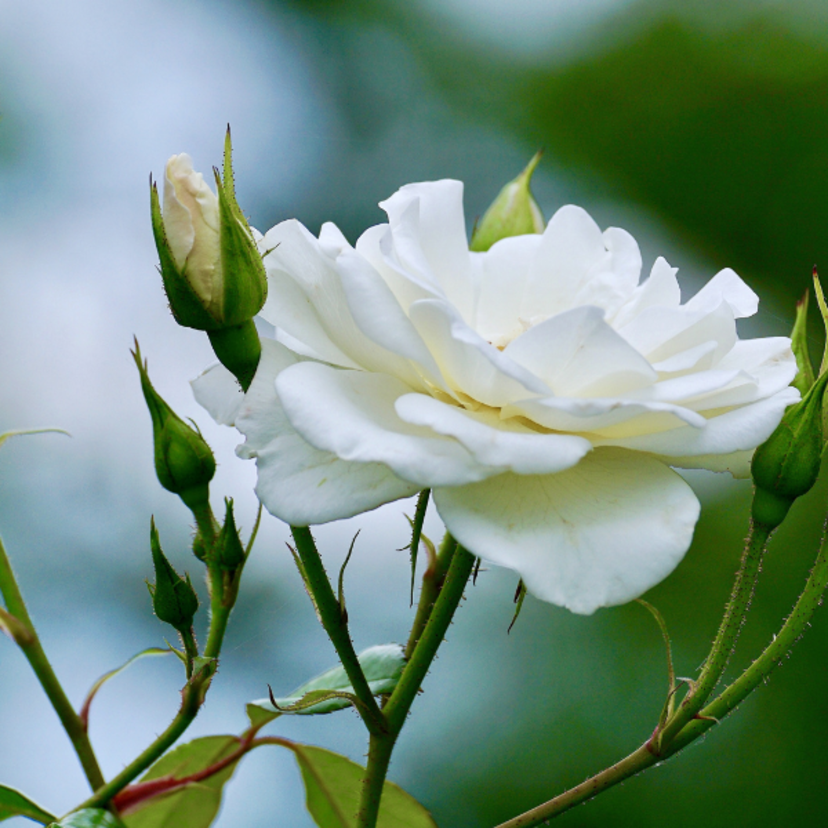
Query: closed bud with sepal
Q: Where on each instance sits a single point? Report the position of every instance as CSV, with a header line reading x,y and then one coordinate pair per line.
x,y
229,552
184,462
210,263
173,598
513,213
787,464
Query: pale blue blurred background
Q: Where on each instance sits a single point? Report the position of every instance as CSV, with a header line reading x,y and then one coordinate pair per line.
x,y
333,106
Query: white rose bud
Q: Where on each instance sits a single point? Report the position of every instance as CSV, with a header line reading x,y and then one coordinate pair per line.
x,y
212,269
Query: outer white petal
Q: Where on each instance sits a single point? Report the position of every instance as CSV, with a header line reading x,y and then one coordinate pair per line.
x,y
503,445
599,534
429,233
297,271
468,363
661,333
727,287
741,429
738,463
351,413
298,483
306,299
219,392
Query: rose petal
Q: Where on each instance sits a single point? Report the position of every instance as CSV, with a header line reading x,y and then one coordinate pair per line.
x,y
596,535
296,482
379,316
612,417
661,289
351,413
573,254
468,363
740,429
578,355
504,271
504,446
429,232
307,299
219,392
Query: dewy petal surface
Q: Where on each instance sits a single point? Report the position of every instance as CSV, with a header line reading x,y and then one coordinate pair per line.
x,y
596,535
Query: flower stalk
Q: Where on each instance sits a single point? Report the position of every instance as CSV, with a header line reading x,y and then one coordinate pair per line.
x,y
36,656
336,626
744,586
460,564
693,718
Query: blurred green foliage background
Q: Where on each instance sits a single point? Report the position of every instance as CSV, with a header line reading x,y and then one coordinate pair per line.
x,y
702,129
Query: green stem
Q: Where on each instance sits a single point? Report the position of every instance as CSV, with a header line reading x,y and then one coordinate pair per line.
x,y
627,767
433,579
732,621
659,746
206,524
219,616
34,653
336,626
190,649
192,698
793,628
418,665
380,749
397,707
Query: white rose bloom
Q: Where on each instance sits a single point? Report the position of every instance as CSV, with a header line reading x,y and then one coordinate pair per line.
x,y
538,389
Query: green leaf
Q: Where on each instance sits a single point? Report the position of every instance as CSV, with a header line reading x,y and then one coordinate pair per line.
x,y
89,818
333,784
13,803
197,804
150,651
382,665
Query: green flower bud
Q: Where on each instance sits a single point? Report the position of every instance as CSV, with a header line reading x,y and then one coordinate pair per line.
x,y
229,552
183,460
786,466
173,598
513,213
212,270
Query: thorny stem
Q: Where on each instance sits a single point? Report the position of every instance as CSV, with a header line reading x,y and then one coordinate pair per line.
x,y
460,563
793,628
34,653
725,641
336,626
433,579
190,649
678,734
198,683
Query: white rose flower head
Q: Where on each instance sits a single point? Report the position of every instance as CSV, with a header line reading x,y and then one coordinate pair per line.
x,y
538,389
